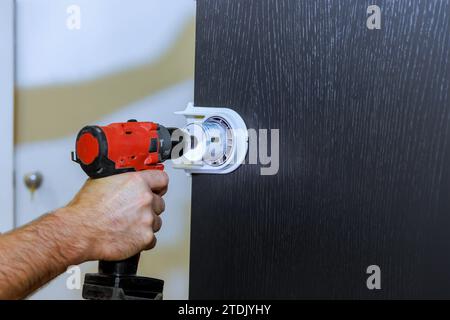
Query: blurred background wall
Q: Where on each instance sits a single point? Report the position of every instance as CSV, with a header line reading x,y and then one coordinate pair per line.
x,y
6,113
129,60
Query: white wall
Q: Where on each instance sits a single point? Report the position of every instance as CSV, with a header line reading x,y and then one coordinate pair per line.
x,y
6,113
114,35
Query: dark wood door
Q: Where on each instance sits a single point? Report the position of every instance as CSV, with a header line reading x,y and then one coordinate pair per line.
x,y
364,176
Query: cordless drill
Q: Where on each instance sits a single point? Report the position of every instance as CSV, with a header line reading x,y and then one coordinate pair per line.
x,y
114,149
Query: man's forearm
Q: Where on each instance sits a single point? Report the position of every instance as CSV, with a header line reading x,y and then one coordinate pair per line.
x,y
36,253
109,219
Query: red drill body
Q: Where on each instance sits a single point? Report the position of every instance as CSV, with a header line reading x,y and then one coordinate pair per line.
x,y
122,147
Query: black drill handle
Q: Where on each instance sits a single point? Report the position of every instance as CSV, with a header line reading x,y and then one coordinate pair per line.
x,y
124,267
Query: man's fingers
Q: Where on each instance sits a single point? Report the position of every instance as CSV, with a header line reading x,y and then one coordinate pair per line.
x,y
151,245
155,179
158,204
157,224
161,192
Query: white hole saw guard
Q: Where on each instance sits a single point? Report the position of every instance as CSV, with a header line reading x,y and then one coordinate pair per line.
x,y
223,122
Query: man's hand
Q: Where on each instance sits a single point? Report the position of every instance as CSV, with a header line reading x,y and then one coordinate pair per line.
x,y
118,216
110,219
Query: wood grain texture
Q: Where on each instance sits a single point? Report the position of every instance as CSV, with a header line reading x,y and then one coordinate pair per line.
x,y
364,119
